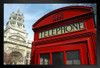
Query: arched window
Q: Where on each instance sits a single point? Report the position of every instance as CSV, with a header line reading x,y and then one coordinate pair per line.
x,y
16,57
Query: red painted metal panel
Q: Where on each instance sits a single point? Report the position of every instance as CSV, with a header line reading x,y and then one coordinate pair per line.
x,y
32,61
50,58
90,22
38,58
65,62
83,54
91,52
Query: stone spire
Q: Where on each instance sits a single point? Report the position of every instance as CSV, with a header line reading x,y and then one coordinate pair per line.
x,y
16,20
18,11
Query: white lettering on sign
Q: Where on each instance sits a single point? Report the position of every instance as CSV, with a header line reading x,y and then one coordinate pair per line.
x,y
62,29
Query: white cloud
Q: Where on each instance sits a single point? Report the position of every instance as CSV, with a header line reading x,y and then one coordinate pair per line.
x,y
33,16
31,36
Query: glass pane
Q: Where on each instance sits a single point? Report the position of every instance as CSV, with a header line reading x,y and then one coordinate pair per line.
x,y
58,58
73,57
76,61
69,62
44,59
41,61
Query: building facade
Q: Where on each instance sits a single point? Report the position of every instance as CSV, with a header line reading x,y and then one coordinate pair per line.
x,y
65,36
17,48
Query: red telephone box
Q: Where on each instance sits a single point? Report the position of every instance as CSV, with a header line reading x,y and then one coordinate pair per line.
x,y
65,36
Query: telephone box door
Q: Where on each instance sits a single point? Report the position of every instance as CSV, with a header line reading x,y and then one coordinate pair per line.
x,y
69,54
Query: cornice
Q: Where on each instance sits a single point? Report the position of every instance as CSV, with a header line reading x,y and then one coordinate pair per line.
x,y
21,44
23,31
13,42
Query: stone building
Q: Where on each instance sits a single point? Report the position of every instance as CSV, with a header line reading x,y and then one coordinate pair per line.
x,y
16,44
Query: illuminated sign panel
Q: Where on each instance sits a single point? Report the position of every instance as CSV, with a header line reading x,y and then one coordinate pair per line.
x,y
62,29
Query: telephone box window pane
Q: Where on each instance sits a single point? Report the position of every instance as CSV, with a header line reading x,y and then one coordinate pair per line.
x,y
69,62
76,61
73,57
44,59
58,58
41,61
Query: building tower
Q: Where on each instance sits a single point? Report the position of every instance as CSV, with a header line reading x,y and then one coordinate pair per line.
x,y
16,43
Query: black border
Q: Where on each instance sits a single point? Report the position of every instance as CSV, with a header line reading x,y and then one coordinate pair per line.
x,y
48,1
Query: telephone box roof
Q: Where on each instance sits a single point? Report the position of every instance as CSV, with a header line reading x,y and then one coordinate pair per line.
x,y
80,10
